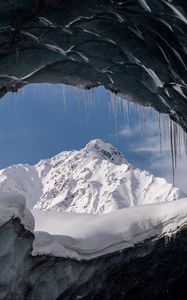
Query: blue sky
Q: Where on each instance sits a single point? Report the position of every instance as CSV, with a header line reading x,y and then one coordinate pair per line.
x,y
43,120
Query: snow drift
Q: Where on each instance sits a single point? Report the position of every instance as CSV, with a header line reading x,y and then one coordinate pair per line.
x,y
88,236
84,236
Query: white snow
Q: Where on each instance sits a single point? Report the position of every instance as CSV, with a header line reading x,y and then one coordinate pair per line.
x,y
86,236
96,179
13,205
90,203
83,236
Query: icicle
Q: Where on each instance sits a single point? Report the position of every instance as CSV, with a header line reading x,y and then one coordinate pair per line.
x,y
64,97
168,131
167,240
175,143
185,142
179,143
127,111
77,99
116,129
23,92
15,100
169,237
160,133
165,130
173,150
88,103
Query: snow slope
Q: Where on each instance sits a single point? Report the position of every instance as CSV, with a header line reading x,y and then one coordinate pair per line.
x,y
85,236
96,179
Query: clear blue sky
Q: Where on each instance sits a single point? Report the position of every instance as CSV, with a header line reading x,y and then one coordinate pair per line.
x,y
43,120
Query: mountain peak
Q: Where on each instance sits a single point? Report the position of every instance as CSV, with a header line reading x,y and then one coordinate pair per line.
x,y
96,179
105,151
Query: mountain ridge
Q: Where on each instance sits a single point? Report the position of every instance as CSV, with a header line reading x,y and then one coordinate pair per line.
x,y
96,179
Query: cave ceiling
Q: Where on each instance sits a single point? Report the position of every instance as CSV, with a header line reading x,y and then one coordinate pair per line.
x,y
136,48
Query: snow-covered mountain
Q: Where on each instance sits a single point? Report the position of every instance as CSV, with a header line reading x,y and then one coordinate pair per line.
x,y
96,179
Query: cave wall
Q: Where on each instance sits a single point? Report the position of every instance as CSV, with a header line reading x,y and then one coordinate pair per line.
x,y
150,270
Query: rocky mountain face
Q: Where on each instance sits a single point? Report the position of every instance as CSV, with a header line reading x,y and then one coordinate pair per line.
x,y
151,270
96,179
